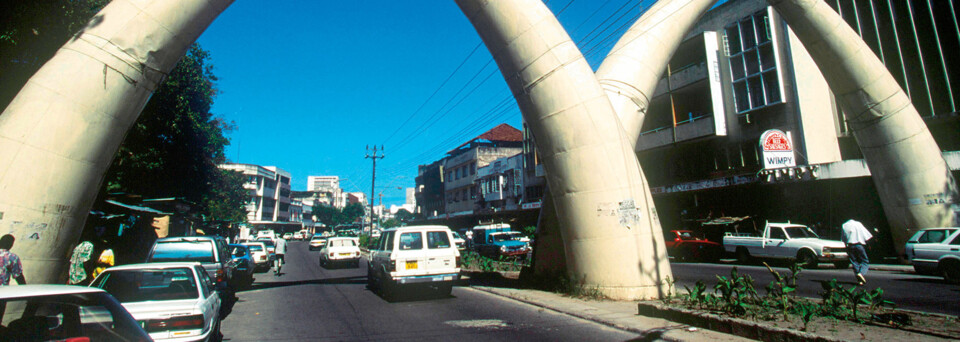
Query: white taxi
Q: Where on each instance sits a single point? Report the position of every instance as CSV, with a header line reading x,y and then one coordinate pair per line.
x,y
173,301
340,250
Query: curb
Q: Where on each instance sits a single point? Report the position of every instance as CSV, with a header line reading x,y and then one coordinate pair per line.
x,y
645,334
734,326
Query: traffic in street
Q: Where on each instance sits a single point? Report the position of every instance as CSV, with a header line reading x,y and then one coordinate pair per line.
x,y
307,302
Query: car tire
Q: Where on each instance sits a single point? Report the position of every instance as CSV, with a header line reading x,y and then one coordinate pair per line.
x,y
371,280
743,256
950,270
388,289
444,289
215,334
807,259
841,265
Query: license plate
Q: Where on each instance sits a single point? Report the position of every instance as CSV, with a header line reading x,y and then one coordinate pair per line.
x,y
411,264
345,254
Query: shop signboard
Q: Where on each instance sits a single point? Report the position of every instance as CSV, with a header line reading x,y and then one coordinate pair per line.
x,y
777,149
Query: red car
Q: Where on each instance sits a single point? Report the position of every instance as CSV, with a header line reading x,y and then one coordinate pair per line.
x,y
685,245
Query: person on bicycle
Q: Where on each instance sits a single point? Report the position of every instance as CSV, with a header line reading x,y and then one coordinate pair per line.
x,y
279,250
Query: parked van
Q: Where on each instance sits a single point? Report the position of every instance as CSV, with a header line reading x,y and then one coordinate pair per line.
x,y
210,251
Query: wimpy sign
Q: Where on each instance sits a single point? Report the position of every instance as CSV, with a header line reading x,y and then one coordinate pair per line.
x,y
777,149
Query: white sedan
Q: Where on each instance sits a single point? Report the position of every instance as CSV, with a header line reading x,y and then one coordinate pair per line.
x,y
173,301
340,250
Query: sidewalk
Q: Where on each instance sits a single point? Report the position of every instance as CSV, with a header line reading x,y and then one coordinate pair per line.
x,y
620,315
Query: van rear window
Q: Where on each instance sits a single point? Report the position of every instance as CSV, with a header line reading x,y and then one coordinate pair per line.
x,y
438,240
410,241
200,251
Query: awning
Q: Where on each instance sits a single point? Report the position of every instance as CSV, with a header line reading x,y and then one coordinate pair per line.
x,y
139,209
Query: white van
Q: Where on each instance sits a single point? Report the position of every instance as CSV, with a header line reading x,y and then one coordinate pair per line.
x,y
269,233
413,255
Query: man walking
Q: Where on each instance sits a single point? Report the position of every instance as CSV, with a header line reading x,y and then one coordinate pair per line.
x,y
10,266
855,236
280,250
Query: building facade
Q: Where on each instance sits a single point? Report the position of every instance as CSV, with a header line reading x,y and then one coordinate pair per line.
x,y
500,184
269,201
741,74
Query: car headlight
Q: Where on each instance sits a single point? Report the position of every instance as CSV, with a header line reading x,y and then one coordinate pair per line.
x,y
503,248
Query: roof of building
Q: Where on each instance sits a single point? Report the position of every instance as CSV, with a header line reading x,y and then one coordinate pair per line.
x,y
501,133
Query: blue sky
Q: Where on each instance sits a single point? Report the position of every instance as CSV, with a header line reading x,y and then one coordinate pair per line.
x,y
311,83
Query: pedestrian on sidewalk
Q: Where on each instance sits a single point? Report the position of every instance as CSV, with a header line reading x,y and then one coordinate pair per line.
x,y
280,250
855,235
10,266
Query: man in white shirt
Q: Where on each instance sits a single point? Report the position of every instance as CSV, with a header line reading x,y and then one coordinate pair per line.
x,y
280,249
855,236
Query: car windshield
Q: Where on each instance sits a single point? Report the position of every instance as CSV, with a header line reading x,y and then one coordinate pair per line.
x,y
200,251
268,243
799,232
687,236
500,237
238,251
255,248
342,243
149,284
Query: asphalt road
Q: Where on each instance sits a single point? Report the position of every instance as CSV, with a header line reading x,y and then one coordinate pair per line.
x,y
906,289
310,303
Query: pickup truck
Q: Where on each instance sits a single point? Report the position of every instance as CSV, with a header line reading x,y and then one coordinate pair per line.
x,y
498,240
787,241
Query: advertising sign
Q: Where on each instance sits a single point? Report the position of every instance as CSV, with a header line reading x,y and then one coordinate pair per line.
x,y
777,150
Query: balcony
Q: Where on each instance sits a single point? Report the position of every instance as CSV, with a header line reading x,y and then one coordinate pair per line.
x,y
694,127
687,75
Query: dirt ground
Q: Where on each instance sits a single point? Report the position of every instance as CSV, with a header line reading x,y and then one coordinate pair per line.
x,y
916,326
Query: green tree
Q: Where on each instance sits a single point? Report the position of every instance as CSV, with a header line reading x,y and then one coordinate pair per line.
x,y
353,211
390,223
176,144
404,216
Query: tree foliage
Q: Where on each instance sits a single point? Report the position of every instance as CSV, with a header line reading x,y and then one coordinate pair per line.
x,y
176,144
332,217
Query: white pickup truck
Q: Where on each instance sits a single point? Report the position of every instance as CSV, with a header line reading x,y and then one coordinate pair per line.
x,y
787,241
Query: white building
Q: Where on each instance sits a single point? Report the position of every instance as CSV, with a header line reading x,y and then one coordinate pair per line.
x,y
268,201
501,184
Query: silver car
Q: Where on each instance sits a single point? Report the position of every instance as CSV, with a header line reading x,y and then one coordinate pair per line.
x,y
936,251
172,301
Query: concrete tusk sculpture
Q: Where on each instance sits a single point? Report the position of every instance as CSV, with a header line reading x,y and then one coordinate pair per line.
x,y
628,74
611,233
912,178
59,135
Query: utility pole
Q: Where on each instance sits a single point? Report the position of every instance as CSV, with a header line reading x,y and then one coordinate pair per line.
x,y
373,179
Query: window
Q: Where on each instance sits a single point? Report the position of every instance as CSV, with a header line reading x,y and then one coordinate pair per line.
x,y
753,63
410,241
201,251
473,192
438,240
777,234
473,169
149,284
935,236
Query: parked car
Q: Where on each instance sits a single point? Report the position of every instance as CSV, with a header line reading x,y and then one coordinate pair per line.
x,y
340,250
245,265
499,241
271,245
209,251
65,313
317,242
288,236
413,255
174,301
684,245
260,255
787,241
459,241
936,251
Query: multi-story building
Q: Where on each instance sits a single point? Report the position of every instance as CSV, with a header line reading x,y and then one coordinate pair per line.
x,y
460,166
741,73
447,187
501,184
269,203
534,182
